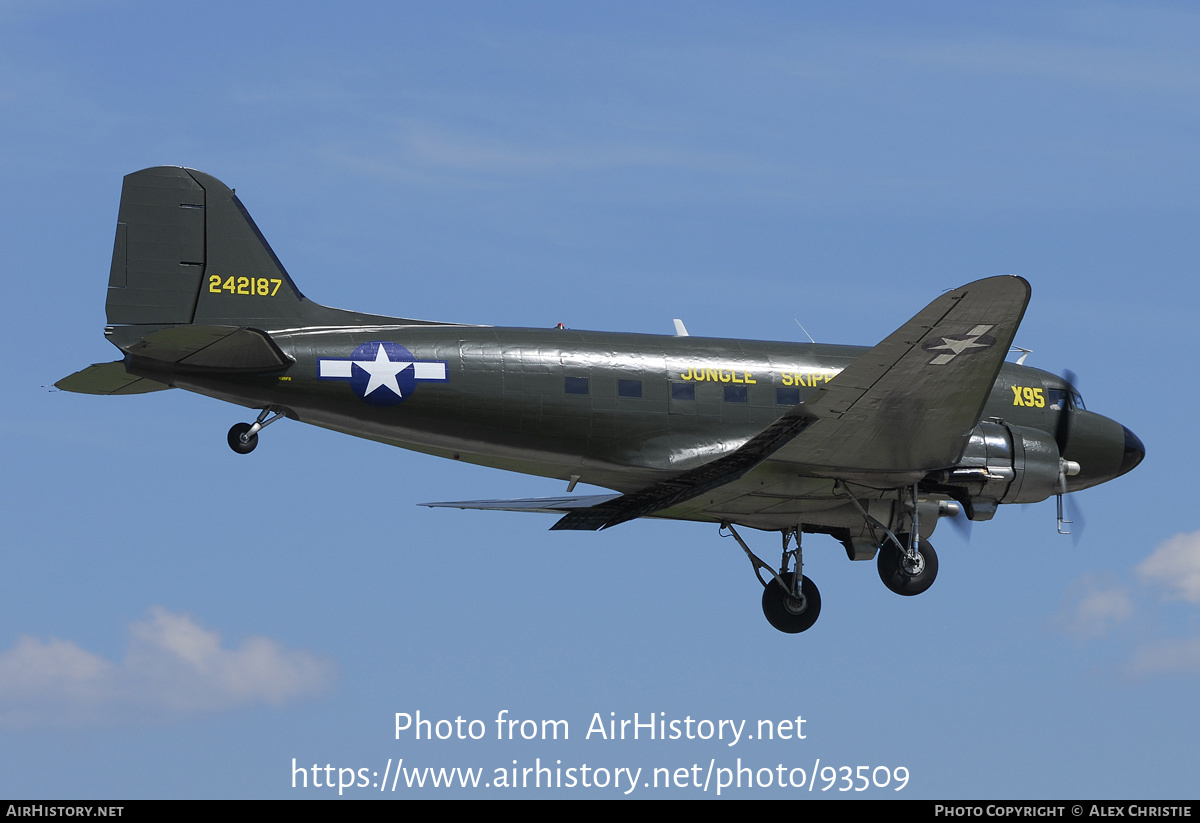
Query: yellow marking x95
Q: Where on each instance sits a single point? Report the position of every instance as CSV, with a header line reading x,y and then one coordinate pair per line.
x,y
1028,396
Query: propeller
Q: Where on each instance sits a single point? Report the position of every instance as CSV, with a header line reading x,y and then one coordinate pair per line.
x,y
955,513
1066,468
1073,518
961,523
1062,432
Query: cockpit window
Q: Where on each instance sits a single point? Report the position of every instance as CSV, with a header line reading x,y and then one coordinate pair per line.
x,y
1064,398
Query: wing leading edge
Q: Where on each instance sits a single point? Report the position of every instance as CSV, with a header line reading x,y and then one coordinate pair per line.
x,y
541,505
902,409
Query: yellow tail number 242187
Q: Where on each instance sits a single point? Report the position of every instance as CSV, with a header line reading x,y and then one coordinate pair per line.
x,y
250,286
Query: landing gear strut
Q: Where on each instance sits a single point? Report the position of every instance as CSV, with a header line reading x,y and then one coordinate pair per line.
x,y
790,601
907,563
243,437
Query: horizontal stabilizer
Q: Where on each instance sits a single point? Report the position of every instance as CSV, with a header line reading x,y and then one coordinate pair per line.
x,y
218,348
108,378
542,505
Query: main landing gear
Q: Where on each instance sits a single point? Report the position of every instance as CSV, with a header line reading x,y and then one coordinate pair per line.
x,y
243,437
910,570
907,563
790,600
790,610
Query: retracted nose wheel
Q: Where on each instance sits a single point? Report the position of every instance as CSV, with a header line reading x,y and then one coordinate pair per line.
x,y
903,573
241,440
788,612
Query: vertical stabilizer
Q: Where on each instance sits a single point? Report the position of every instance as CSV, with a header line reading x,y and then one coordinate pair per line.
x,y
187,251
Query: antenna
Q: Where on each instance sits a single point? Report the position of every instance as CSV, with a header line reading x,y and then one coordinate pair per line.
x,y
806,334
1024,353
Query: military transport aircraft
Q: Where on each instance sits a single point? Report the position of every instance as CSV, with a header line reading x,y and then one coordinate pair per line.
x,y
869,445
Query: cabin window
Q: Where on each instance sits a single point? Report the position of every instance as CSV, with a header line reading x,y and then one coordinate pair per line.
x,y
629,388
787,397
683,391
576,385
735,394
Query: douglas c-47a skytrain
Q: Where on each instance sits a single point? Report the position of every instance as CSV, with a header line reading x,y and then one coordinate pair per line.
x,y
869,445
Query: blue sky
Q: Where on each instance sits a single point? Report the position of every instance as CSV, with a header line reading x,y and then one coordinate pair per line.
x,y
180,621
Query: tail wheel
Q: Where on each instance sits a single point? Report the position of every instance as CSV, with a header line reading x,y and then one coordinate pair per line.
x,y
239,442
789,613
905,575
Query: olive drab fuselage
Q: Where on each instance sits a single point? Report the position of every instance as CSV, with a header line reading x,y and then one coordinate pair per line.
x,y
871,445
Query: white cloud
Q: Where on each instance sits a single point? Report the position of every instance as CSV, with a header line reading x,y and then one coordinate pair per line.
x,y
174,668
1166,657
429,153
1175,564
1098,607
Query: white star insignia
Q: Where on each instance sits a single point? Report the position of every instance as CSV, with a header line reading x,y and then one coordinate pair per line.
x,y
957,347
383,371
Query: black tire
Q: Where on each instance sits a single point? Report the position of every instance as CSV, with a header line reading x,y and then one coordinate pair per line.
x,y
781,610
901,580
235,439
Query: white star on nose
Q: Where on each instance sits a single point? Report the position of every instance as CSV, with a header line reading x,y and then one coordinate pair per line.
x,y
383,371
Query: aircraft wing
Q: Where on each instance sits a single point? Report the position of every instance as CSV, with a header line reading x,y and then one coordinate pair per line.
x,y
685,486
908,404
902,409
541,505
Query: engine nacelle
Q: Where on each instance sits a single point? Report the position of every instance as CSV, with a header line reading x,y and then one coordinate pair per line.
x,y
1003,463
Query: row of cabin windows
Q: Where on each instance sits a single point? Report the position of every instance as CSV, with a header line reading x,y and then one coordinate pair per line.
x,y
682,391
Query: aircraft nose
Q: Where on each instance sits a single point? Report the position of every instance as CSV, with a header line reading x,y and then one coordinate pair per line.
x,y
1134,451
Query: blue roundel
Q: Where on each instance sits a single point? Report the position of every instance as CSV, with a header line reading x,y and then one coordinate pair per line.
x,y
382,373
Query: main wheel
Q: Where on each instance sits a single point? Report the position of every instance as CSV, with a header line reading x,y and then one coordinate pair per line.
x,y
905,576
235,439
787,613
